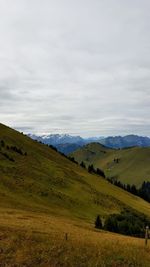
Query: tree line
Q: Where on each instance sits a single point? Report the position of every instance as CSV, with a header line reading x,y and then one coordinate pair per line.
x,y
143,191
127,223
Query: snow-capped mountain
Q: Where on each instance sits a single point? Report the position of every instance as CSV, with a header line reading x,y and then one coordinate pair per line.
x,y
56,139
66,143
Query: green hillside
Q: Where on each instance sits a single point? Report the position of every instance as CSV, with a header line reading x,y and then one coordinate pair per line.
x,y
43,196
132,165
42,179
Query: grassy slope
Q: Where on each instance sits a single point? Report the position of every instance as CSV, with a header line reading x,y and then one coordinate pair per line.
x,y
45,180
133,167
43,195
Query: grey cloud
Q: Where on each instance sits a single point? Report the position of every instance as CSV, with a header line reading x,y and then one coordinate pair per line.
x,y
24,129
75,66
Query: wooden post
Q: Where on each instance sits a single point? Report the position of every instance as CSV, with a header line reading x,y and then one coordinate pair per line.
x,y
66,236
146,235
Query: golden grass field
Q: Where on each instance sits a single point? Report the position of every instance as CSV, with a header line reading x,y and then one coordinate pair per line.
x,y
36,239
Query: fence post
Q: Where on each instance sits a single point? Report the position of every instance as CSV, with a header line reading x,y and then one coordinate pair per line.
x,y
146,235
66,236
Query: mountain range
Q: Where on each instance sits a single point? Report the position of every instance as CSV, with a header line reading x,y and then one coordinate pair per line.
x,y
126,141
64,143
67,144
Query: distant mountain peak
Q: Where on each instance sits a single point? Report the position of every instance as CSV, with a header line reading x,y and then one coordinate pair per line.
x,y
67,143
126,141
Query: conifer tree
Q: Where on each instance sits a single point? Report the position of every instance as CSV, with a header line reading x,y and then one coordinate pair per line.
x,y
98,222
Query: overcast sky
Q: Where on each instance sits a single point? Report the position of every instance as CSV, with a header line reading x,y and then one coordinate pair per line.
x,y
78,67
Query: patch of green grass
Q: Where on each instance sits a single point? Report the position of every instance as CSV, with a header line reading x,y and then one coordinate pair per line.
x,y
133,166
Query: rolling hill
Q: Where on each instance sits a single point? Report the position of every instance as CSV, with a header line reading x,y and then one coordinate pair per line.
x,y
43,195
129,165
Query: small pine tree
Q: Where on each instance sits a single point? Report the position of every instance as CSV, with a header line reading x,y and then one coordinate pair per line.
x,y
91,169
133,189
100,172
82,164
98,222
2,143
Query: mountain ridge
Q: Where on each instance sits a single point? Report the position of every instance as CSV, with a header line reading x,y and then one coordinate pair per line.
x,y
63,141
126,141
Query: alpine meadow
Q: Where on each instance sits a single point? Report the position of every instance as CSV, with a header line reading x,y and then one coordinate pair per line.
x,y
74,133
45,196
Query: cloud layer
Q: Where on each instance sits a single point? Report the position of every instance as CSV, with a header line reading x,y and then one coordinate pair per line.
x,y
79,67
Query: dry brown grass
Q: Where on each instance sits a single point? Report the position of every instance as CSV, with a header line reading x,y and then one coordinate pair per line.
x,y
32,239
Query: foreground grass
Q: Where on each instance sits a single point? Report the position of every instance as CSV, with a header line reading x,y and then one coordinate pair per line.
x,y
32,239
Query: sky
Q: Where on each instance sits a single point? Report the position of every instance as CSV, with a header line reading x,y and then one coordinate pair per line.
x,y
79,67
